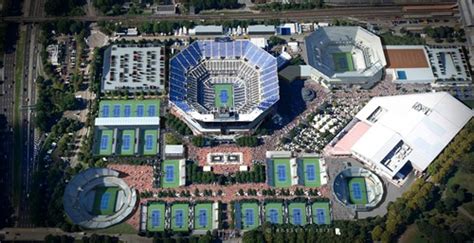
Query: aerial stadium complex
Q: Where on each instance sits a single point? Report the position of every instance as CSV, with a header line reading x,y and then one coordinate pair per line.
x,y
358,188
97,198
223,86
396,135
345,56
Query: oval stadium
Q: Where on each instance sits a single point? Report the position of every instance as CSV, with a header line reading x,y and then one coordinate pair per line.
x,y
223,86
97,198
358,188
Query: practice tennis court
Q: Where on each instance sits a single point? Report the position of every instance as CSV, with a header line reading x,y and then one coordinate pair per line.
x,y
249,215
203,216
343,61
311,172
156,217
150,145
170,174
129,108
282,172
321,213
179,217
128,142
357,190
224,96
297,213
105,146
274,213
105,199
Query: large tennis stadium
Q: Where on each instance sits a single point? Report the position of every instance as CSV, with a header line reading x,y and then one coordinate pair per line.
x,y
346,55
98,198
223,86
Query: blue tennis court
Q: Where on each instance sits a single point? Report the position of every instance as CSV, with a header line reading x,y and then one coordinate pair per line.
x,y
105,111
151,110
169,170
179,218
281,171
140,110
356,190
224,96
273,213
155,218
127,110
104,141
320,216
203,218
149,142
104,201
249,216
116,111
126,142
310,172
297,216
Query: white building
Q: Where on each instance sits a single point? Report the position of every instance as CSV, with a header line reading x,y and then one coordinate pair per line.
x,y
207,30
397,134
133,67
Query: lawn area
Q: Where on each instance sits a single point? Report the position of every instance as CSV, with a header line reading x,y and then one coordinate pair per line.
x,y
412,235
464,180
122,228
17,152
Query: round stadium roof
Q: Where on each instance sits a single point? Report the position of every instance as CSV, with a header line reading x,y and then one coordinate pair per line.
x,y
214,80
96,198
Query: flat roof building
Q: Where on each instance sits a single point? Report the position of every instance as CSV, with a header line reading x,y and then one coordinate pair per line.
x,y
207,30
133,67
261,30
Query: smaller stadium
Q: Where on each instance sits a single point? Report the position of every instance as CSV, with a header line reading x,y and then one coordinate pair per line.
x,y
98,198
127,128
198,217
358,188
173,173
284,171
345,55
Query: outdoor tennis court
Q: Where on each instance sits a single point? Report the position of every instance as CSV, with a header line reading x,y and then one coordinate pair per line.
x,y
203,216
297,213
321,213
311,172
104,200
150,146
357,190
179,217
281,172
155,217
105,146
170,174
129,108
274,213
224,95
249,216
128,142
343,61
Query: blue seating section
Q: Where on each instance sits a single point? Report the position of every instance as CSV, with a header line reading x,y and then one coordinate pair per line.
x,y
209,49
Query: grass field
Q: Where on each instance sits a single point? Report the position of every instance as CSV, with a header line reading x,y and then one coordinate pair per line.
x,y
203,216
343,61
154,146
224,95
105,199
122,228
249,216
321,206
18,142
285,180
168,180
157,211
108,149
360,181
297,213
464,180
311,172
127,148
180,217
270,209
129,108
